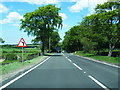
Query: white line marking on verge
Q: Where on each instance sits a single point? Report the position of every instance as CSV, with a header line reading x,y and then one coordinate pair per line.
x,y
77,66
23,74
96,81
98,61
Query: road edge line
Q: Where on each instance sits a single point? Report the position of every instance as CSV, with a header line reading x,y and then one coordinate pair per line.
x,y
99,83
10,82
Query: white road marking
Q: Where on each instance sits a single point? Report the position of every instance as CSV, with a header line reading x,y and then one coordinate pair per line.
x,y
22,74
77,66
84,72
100,84
63,54
69,60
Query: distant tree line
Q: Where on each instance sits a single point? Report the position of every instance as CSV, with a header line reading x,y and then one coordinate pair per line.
x,y
96,32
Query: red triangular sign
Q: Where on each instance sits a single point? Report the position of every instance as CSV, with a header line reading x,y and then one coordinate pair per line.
x,y
22,43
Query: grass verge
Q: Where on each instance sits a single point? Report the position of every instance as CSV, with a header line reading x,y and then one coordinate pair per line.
x,y
9,68
113,60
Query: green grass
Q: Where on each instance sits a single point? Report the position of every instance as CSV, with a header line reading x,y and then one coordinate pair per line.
x,y
114,60
20,54
17,65
19,49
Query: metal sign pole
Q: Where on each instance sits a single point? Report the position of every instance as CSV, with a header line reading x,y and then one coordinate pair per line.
x,y
22,55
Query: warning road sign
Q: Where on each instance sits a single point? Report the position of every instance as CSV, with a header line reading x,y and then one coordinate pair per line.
x,y
22,43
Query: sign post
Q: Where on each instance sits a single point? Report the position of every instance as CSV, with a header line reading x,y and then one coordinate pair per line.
x,y
22,55
22,44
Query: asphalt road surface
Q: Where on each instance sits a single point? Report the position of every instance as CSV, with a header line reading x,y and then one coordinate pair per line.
x,y
63,70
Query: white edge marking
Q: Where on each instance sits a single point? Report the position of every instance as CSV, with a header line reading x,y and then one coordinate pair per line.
x,y
98,61
77,66
100,84
22,74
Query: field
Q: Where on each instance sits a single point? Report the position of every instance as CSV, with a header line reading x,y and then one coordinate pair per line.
x,y
12,54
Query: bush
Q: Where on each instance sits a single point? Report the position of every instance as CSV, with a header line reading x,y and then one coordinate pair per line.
x,y
31,56
11,57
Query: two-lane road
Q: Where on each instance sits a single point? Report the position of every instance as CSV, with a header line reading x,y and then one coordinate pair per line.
x,y
64,70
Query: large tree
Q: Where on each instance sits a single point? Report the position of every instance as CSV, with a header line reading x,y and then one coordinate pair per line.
x,y
109,20
40,23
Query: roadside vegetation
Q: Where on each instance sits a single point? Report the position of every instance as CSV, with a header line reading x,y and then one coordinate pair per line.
x,y
113,60
12,53
11,67
98,35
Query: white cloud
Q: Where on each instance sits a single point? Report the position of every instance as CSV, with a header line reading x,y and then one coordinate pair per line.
x,y
3,9
63,16
37,2
65,25
13,18
81,4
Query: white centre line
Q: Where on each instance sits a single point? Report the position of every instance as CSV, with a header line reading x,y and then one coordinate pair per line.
x,y
100,84
77,66
69,60
4,86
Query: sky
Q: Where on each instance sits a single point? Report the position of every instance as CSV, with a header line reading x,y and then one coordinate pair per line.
x,y
11,11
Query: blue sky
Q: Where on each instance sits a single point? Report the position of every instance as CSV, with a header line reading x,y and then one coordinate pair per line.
x,y
11,11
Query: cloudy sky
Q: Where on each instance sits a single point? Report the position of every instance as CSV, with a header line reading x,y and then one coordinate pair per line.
x,y
11,11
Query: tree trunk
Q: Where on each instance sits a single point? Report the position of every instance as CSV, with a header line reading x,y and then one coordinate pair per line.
x,y
111,47
42,48
110,53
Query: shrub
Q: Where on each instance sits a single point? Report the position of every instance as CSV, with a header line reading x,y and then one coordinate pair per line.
x,y
11,57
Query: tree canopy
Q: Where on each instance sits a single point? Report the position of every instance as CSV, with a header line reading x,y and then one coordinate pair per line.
x,y
41,22
97,31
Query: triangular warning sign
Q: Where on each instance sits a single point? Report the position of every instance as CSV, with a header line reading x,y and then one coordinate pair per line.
x,y
22,43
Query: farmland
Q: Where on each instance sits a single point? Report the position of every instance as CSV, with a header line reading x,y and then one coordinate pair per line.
x,y
14,54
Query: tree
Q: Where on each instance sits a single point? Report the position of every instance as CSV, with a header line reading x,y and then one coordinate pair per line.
x,y
40,23
54,40
92,32
1,40
109,19
71,40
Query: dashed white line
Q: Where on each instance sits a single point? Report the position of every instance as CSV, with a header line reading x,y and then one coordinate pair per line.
x,y
4,86
77,66
96,81
69,60
84,72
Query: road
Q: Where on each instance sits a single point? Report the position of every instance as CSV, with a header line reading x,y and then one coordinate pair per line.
x,y
63,70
